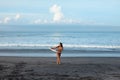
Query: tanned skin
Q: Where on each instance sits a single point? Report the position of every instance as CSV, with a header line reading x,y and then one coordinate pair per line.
x,y
59,49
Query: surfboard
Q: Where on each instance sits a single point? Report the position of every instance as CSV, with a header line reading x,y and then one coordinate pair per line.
x,y
53,50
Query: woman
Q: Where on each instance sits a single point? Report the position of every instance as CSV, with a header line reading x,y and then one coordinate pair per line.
x,y
59,49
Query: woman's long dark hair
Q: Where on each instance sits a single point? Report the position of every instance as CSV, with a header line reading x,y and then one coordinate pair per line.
x,y
61,44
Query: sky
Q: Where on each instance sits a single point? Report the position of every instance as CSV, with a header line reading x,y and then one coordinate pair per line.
x,y
85,12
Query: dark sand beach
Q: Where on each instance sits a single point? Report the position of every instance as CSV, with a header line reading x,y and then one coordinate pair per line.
x,y
28,68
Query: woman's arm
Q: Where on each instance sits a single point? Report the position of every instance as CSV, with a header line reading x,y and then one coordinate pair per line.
x,y
54,47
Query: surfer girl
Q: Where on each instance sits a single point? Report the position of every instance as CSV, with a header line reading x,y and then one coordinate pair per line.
x,y
59,50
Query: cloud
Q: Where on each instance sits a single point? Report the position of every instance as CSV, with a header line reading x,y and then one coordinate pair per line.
x,y
46,21
0,21
10,19
59,17
38,21
57,13
69,21
17,16
6,19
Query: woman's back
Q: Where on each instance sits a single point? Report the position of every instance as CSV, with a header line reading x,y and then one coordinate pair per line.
x,y
59,49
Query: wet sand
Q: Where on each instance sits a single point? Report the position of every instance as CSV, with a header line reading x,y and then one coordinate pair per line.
x,y
24,68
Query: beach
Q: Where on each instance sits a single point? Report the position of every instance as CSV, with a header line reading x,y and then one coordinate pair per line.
x,y
72,68
25,55
85,34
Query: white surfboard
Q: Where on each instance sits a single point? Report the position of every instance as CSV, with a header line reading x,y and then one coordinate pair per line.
x,y
53,50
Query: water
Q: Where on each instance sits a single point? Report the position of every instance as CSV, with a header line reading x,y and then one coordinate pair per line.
x,y
77,43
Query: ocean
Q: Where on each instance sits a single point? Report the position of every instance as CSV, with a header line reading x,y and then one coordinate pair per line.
x,y
77,42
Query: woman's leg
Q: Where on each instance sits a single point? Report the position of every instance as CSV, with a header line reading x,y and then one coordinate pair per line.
x,y
58,58
57,61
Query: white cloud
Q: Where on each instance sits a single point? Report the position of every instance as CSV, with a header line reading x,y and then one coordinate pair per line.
x,y
6,20
10,19
67,21
59,17
38,21
0,22
17,16
56,10
46,21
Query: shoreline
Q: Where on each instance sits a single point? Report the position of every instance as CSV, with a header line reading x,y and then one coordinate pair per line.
x,y
71,60
72,68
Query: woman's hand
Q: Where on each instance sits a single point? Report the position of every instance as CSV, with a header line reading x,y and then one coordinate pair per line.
x,y
52,48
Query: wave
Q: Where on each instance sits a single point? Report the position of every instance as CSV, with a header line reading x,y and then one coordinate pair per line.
x,y
65,45
49,51
93,46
